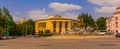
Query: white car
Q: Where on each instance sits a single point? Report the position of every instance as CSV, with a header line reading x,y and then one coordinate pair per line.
x,y
4,37
101,32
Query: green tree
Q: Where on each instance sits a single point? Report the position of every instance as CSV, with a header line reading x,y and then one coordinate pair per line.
x,y
25,28
22,27
87,19
8,20
1,21
101,23
30,24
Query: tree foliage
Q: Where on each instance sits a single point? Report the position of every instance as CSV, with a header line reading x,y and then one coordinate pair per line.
x,y
87,19
26,28
1,18
30,26
101,23
6,21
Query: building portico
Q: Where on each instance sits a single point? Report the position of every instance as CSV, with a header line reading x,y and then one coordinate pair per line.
x,y
56,24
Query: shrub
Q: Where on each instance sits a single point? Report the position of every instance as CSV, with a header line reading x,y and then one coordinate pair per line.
x,y
45,33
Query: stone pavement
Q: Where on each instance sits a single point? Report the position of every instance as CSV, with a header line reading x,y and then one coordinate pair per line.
x,y
77,37
88,42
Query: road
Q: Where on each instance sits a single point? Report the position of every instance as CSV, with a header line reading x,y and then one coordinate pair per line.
x,y
43,43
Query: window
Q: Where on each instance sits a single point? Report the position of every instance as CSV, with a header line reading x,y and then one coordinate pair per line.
x,y
116,24
66,25
54,24
116,18
54,30
59,29
60,24
42,25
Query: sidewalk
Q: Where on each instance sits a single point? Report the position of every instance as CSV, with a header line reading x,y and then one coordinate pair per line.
x,y
77,37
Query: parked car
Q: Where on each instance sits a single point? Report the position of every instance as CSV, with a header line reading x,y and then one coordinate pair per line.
x,y
101,32
109,33
117,35
0,38
11,37
4,37
7,37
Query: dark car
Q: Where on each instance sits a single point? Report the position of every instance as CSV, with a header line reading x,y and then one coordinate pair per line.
x,y
0,38
11,37
117,35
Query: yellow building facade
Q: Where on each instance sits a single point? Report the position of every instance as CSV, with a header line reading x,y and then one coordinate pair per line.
x,y
56,24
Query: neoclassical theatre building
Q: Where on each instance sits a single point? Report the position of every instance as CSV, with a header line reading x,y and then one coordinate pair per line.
x,y
56,24
113,23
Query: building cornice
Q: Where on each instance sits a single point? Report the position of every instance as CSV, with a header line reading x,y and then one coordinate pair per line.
x,y
118,8
116,13
56,19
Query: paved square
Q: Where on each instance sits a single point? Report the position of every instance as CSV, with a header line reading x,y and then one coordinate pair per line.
x,y
44,43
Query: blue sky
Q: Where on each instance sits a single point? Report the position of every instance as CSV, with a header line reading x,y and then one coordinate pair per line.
x,y
40,9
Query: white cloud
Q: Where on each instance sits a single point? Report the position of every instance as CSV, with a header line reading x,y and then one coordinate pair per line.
x,y
62,7
16,18
105,2
37,14
105,9
71,15
106,6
